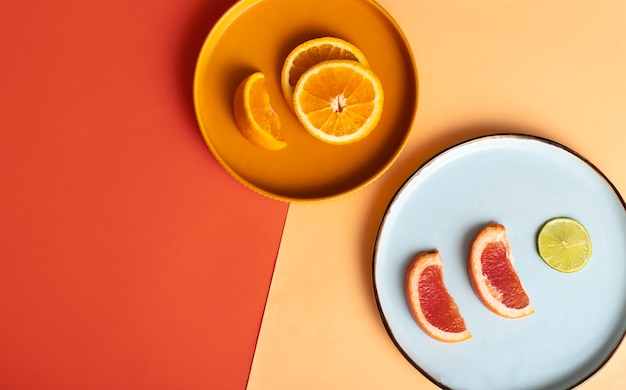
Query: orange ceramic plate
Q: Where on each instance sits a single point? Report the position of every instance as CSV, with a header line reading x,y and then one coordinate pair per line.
x,y
257,35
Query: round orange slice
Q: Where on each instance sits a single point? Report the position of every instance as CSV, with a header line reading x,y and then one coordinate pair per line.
x,y
312,52
338,101
432,306
255,116
492,274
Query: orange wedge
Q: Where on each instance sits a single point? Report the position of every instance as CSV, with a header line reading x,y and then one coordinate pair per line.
x,y
431,305
339,101
492,275
312,52
254,115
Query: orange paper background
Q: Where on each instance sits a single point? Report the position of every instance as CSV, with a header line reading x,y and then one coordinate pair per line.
x,y
128,258
553,69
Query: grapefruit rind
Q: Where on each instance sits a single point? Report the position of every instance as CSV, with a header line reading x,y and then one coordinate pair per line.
x,y
419,263
489,296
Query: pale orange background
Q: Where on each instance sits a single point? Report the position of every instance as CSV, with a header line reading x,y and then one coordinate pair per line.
x,y
553,69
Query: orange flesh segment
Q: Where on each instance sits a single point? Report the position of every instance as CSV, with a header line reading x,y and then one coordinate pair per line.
x,y
438,306
259,103
315,56
499,271
352,102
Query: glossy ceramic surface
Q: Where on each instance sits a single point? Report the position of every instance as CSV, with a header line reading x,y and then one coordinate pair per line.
x,y
258,36
521,182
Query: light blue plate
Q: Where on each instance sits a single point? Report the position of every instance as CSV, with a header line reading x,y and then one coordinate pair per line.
x,y
520,182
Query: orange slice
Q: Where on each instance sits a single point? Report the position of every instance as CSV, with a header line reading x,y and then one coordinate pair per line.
x,y
339,101
492,275
431,305
312,52
254,115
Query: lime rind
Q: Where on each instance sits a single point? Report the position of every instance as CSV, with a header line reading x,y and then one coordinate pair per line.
x,y
564,244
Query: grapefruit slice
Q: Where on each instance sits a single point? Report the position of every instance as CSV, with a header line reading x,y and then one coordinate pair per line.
x,y
492,274
432,306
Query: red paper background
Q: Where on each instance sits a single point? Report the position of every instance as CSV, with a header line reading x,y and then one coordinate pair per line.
x,y
128,258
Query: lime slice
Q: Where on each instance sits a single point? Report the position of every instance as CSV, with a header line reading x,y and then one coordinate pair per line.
x,y
564,244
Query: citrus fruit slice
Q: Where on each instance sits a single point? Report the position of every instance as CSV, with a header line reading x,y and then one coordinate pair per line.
x,y
338,101
312,52
254,115
492,275
564,244
431,305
